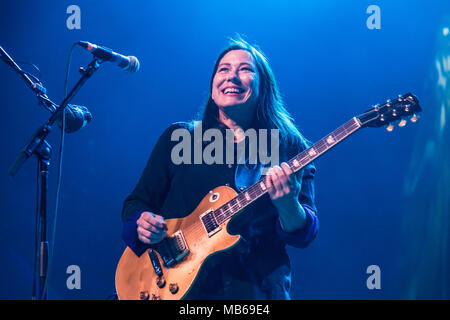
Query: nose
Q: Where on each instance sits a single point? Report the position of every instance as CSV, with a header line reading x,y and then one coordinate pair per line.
x,y
234,77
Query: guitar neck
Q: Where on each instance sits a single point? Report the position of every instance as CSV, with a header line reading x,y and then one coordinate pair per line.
x,y
296,163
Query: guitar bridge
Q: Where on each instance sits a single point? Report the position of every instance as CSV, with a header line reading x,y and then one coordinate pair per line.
x,y
172,249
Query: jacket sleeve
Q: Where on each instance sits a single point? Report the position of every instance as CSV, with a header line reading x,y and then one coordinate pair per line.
x,y
149,193
303,237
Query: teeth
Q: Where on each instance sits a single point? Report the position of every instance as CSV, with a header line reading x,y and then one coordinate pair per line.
x,y
232,90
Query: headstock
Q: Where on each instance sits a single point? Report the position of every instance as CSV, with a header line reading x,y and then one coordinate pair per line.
x,y
401,109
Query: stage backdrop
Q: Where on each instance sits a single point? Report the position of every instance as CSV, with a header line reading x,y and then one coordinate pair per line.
x,y
382,197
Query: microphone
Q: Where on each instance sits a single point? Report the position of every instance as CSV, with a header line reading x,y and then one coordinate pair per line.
x,y
77,117
130,63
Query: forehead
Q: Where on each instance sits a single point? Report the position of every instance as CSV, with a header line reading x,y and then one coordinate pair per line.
x,y
237,57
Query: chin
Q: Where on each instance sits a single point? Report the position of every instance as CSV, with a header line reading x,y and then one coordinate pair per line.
x,y
232,103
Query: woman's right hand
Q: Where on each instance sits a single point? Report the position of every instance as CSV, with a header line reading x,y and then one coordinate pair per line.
x,y
151,228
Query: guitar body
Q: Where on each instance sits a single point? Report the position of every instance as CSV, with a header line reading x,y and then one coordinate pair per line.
x,y
136,278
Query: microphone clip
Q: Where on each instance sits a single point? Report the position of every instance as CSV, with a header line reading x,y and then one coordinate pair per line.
x,y
91,68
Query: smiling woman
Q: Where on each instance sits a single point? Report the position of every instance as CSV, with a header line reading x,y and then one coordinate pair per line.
x,y
235,89
243,95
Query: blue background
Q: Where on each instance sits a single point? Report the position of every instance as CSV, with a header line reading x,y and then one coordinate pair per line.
x,y
329,66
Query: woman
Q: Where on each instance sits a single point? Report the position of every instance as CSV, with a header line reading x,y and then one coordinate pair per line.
x,y
243,95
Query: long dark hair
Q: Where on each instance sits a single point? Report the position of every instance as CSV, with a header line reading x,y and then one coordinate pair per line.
x,y
271,112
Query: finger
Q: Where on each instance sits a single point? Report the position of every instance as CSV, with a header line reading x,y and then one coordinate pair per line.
x,y
291,177
160,226
147,216
150,240
278,179
159,221
281,174
144,233
269,184
153,229
287,170
149,226
154,219
148,233
285,186
144,239
144,224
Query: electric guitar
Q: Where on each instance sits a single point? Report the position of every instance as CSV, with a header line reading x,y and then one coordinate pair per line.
x,y
168,270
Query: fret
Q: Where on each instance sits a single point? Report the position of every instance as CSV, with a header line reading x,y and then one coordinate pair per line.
x,y
221,215
339,132
236,206
321,146
218,215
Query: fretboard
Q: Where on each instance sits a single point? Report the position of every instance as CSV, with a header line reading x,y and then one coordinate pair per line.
x,y
298,162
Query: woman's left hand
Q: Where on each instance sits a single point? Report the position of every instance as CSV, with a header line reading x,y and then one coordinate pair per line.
x,y
283,186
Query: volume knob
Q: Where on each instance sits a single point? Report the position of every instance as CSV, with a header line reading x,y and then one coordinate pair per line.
x,y
143,295
173,288
160,282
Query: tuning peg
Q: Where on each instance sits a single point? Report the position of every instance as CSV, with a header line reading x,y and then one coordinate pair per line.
x,y
390,127
402,123
394,112
414,118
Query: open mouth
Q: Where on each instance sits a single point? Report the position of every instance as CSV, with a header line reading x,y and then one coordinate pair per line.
x,y
232,91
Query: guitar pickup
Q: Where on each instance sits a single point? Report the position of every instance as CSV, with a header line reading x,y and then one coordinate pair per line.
x,y
210,223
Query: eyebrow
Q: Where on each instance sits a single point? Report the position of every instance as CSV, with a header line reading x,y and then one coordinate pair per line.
x,y
229,64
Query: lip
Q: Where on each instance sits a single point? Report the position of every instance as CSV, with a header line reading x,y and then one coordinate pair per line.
x,y
236,87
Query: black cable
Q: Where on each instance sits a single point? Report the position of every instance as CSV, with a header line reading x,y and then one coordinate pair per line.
x,y
35,78
34,66
59,175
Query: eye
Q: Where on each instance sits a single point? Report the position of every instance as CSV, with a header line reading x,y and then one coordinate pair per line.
x,y
223,69
247,69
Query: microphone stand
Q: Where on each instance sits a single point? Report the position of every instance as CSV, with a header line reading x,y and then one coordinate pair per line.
x,y
39,147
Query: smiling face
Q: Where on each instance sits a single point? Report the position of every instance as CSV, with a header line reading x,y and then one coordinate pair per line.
x,y
236,81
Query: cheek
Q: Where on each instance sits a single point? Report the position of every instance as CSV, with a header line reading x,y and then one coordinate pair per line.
x,y
254,85
217,81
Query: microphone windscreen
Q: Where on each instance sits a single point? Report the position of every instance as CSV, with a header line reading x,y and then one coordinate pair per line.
x,y
134,65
